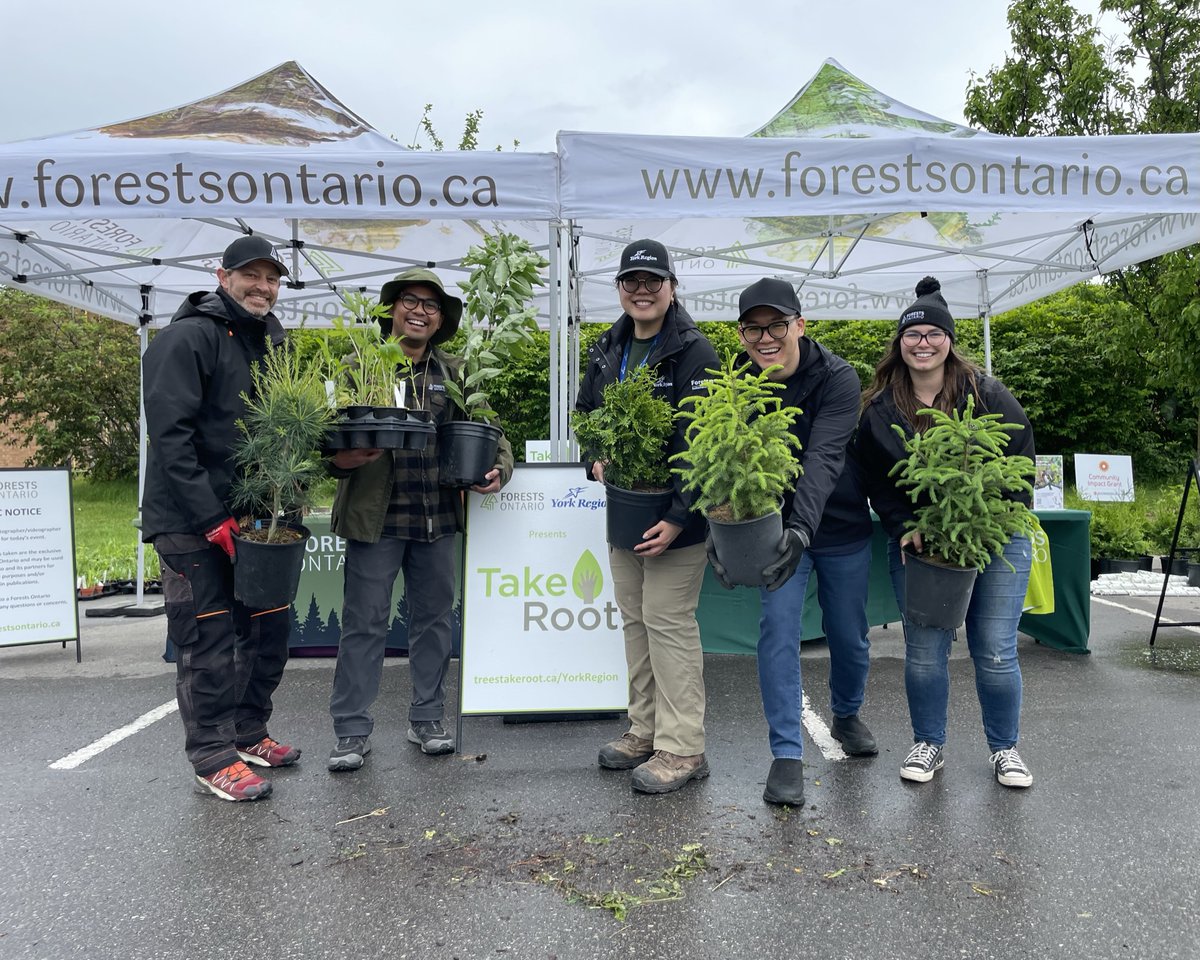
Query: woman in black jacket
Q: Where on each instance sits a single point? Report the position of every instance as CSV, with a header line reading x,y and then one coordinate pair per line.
x,y
923,370
657,585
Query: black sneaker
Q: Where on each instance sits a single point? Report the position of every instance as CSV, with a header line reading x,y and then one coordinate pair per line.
x,y
924,760
1010,768
431,736
349,753
854,736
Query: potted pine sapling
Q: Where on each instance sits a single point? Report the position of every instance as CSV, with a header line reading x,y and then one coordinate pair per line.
x,y
740,460
277,462
372,385
629,433
498,323
958,470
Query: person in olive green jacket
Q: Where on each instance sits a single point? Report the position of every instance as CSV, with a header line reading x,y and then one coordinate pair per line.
x,y
394,515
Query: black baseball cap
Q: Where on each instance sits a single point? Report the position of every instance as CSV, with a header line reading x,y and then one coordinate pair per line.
x,y
769,292
247,249
646,256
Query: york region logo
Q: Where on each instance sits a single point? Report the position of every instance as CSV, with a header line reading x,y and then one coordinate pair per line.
x,y
577,497
643,255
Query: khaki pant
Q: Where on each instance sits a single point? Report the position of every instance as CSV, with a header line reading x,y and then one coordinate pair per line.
x,y
657,597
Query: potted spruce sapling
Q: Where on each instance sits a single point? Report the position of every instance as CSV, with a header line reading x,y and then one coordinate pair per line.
x,y
371,385
629,433
277,461
958,470
741,458
498,323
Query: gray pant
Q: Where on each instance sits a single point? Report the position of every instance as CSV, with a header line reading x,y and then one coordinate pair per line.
x,y
370,573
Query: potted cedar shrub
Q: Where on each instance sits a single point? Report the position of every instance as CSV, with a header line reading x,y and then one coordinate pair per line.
x,y
277,462
960,466
1117,536
629,433
498,323
372,385
740,460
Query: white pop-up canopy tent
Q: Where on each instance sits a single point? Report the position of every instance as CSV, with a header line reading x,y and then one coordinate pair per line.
x,y
853,197
126,219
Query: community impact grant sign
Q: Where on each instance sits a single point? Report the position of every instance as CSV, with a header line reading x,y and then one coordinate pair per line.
x,y
541,630
37,558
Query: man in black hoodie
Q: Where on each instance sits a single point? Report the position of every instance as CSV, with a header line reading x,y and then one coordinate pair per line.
x,y
229,658
827,527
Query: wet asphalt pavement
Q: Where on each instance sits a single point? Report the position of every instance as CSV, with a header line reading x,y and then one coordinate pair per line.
x,y
521,847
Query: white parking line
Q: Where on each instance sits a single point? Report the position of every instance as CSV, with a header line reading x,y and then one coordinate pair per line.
x,y
72,760
830,748
1140,613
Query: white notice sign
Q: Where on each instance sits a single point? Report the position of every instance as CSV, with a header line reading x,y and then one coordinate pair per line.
x,y
541,631
37,558
1104,476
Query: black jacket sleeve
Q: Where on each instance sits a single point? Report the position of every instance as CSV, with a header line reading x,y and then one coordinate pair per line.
x,y
178,364
878,448
825,455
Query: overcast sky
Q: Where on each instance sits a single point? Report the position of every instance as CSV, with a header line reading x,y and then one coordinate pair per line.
x,y
701,67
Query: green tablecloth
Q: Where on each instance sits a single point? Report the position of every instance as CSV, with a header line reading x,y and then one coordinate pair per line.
x,y
729,618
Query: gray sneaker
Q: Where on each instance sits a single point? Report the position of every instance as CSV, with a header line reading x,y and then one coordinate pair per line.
x,y
349,753
431,736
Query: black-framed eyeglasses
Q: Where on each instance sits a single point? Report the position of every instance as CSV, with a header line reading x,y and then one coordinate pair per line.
x,y
631,284
752,332
429,306
935,338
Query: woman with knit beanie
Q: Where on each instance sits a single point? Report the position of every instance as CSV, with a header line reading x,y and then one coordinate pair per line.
x,y
922,369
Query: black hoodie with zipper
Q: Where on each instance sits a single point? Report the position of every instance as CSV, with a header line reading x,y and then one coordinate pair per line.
x,y
682,357
828,504
193,375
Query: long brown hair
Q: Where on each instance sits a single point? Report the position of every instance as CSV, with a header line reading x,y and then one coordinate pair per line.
x,y
960,376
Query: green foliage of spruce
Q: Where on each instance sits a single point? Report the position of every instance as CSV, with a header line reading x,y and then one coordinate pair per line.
x,y
277,457
628,432
959,463
499,319
740,451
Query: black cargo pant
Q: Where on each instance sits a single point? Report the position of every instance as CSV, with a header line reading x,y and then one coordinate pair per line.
x,y
229,658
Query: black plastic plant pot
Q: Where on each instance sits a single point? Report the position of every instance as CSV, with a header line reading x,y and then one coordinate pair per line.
x,y
630,513
389,413
355,411
266,576
466,452
1123,565
745,547
936,595
1193,574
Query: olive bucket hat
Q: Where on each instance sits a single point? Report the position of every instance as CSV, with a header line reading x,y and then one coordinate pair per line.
x,y
452,307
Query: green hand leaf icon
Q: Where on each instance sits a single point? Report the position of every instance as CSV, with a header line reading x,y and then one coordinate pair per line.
x,y
587,578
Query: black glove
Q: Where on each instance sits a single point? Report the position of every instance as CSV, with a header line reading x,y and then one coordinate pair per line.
x,y
791,549
718,570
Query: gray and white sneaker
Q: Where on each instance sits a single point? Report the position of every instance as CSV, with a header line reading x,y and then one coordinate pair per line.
x,y
1010,768
349,753
923,761
431,736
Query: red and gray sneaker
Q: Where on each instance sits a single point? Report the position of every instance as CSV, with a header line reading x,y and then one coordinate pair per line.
x,y
234,782
269,753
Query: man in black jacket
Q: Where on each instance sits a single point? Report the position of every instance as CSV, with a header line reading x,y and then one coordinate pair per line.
x,y
827,527
229,658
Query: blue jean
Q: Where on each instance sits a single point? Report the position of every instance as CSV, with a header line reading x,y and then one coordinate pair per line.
x,y
842,581
991,628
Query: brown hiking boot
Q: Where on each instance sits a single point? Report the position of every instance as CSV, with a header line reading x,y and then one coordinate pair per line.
x,y
625,753
665,772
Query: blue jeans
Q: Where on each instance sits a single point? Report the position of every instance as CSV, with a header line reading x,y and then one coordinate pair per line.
x,y
991,627
842,592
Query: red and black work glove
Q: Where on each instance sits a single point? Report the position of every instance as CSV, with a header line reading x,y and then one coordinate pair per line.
x,y
222,535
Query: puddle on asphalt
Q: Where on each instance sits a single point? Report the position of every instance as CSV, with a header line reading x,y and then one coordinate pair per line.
x,y
1180,654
